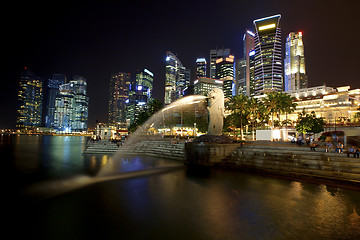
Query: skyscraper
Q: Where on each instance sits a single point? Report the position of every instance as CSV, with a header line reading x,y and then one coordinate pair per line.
x,y
225,72
243,66
177,78
145,82
268,60
118,95
215,54
140,94
52,90
200,68
295,75
30,98
71,106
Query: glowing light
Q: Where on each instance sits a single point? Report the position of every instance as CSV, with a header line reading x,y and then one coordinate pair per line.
x,y
276,134
219,81
269,26
300,33
250,33
167,58
201,60
252,53
139,88
148,72
196,81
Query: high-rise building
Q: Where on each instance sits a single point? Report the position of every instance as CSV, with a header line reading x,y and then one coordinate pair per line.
x,y
51,92
202,86
30,98
243,80
118,96
215,54
145,82
71,106
140,94
268,58
177,78
225,71
200,68
295,75
78,86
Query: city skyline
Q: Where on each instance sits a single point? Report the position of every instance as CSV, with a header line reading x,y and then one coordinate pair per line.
x,y
88,40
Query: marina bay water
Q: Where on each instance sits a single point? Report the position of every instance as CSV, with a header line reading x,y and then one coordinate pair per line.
x,y
53,191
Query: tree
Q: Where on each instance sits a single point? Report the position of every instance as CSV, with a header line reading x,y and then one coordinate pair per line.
x,y
239,111
309,123
254,113
272,102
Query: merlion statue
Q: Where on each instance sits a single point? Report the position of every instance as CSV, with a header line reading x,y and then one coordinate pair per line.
x,y
216,111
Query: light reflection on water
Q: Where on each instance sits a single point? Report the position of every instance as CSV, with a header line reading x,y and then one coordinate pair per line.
x,y
150,198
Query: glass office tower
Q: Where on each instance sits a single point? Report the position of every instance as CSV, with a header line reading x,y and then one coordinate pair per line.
x,y
200,68
30,98
225,72
52,91
268,60
295,75
118,95
177,78
215,54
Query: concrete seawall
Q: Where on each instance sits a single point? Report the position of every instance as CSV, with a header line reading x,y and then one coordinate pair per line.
x,y
291,161
282,159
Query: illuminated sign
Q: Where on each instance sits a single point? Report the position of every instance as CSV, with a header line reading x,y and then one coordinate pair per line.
x,y
219,81
252,53
139,88
250,33
269,26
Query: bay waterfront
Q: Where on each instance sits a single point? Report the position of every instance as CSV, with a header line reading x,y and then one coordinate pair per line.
x,y
53,191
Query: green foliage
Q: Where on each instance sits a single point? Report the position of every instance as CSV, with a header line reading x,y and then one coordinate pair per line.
x,y
309,123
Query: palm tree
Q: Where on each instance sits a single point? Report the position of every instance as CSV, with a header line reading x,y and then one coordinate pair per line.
x,y
288,105
237,105
272,102
254,113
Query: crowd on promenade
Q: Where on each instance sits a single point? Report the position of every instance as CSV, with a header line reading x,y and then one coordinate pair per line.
x,y
330,146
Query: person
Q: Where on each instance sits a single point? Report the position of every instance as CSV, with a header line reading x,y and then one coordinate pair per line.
x,y
313,145
339,147
357,152
351,150
329,146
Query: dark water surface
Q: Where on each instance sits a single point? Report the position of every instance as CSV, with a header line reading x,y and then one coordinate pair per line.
x,y
52,191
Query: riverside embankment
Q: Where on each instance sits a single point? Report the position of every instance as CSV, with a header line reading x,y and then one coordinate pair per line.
x,y
275,158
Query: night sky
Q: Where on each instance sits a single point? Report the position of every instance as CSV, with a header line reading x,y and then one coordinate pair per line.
x,y
99,38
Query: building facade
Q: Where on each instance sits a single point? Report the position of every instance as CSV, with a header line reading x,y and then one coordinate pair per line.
x,y
29,110
268,58
177,78
295,75
140,95
71,106
225,71
243,65
52,90
215,54
200,68
204,85
118,95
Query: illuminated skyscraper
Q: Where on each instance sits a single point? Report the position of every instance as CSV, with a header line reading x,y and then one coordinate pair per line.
x,y
225,72
295,75
140,95
71,106
118,96
243,65
52,91
268,60
200,68
177,78
215,54
30,98
145,82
